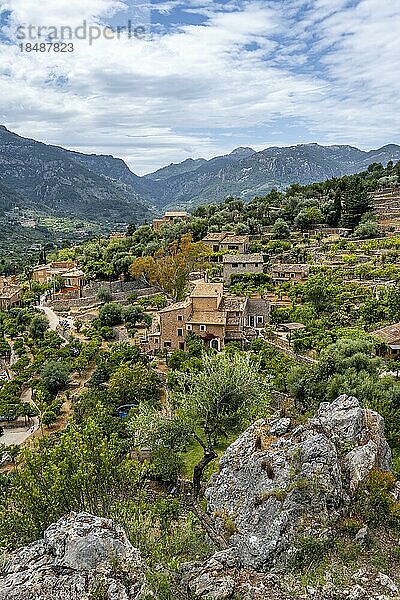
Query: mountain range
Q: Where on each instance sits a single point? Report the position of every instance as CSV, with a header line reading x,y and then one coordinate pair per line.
x,y
50,181
246,173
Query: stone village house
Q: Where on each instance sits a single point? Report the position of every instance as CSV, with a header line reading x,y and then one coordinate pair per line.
x,y
296,273
169,217
238,264
73,279
10,293
390,336
227,241
212,316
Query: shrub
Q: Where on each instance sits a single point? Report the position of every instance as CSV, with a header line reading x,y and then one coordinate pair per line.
x,y
110,314
374,501
351,525
308,550
104,294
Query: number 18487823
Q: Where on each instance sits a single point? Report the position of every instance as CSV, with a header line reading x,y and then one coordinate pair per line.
x,y
47,47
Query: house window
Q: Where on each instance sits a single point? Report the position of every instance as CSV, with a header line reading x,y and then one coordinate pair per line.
x,y
179,318
189,327
260,320
235,265
156,341
215,248
180,332
167,344
292,275
256,264
203,328
230,247
181,345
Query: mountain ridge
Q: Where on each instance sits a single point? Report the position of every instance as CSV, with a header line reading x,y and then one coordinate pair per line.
x,y
103,188
57,181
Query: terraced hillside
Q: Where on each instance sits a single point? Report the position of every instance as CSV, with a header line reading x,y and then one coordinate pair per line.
x,y
387,208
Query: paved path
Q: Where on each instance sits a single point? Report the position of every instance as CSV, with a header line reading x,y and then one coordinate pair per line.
x,y
51,316
53,320
18,435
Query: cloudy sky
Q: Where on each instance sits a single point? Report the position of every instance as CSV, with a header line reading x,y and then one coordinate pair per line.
x,y
207,77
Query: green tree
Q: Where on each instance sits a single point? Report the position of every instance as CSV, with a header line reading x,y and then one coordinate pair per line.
x,y
134,384
49,418
39,325
215,401
85,470
308,217
167,438
281,230
356,202
135,314
110,314
55,376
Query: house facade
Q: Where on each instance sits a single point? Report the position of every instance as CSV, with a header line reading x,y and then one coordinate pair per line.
x,y
169,217
72,277
295,273
238,264
10,294
390,336
214,317
227,241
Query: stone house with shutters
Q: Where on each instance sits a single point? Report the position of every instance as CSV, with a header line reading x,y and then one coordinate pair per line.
x,y
296,273
227,241
238,264
214,317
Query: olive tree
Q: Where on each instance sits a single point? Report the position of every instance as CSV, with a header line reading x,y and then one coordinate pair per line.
x,y
215,401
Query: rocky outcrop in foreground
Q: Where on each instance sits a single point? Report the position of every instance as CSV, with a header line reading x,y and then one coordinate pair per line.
x,y
273,477
80,557
278,482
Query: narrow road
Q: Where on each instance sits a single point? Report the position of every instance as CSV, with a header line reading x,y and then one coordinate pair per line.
x,y
53,319
51,316
18,435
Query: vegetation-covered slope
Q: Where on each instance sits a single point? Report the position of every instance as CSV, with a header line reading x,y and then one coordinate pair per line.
x,y
48,180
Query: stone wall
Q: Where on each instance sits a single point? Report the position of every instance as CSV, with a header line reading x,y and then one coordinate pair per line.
x,y
91,300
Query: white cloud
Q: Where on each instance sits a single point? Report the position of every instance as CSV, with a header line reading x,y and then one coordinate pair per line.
x,y
327,66
59,12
